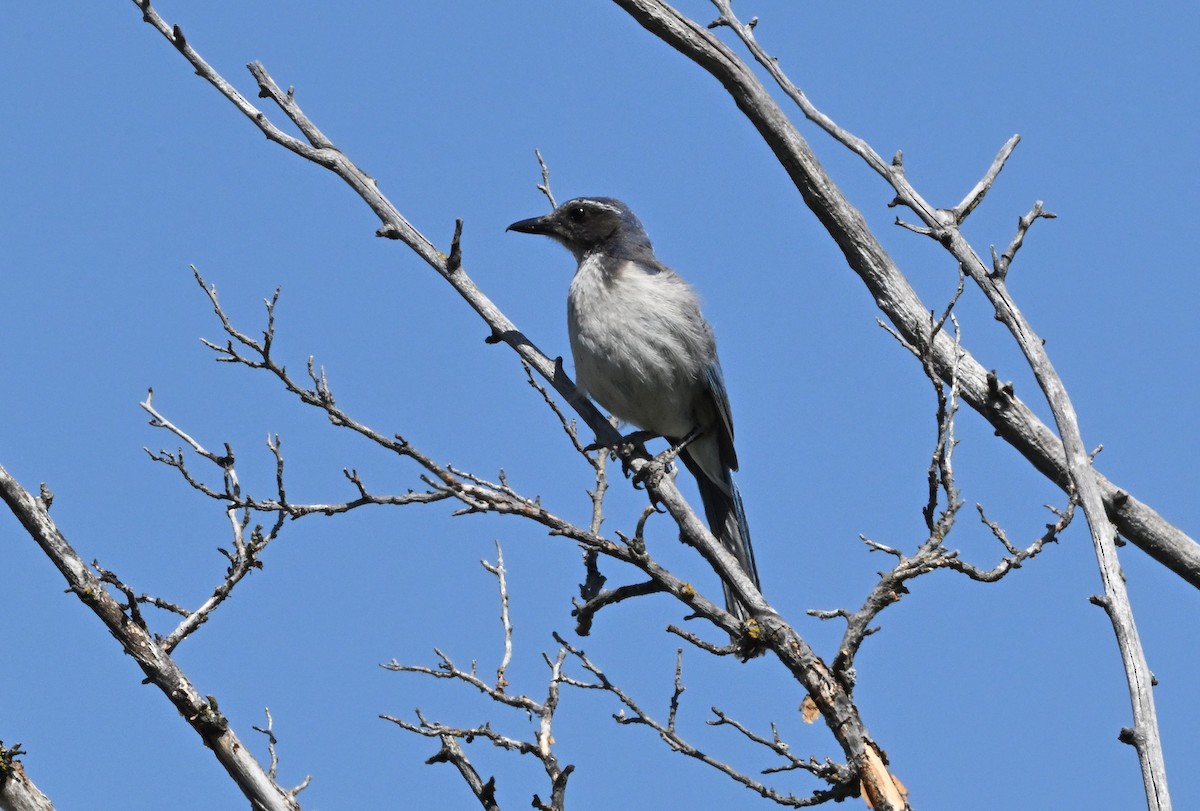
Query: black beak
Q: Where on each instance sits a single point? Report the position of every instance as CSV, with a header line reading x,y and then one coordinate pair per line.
x,y
534,225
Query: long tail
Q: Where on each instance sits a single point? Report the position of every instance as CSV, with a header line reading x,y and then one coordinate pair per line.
x,y
727,520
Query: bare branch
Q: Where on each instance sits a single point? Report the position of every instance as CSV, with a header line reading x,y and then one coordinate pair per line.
x,y
454,258
834,773
943,495
568,425
1013,421
540,748
448,670
1001,264
975,195
269,732
1015,557
17,791
452,753
844,782
131,600
502,583
544,186
678,691
585,612
200,713
703,644
1070,465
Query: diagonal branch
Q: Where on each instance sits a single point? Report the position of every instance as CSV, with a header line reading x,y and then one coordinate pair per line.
x,y
161,670
660,486
767,628
1011,418
1066,462
1077,474
1001,263
452,753
975,195
17,791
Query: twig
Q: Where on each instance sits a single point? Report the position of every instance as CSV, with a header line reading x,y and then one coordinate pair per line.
x,y
244,557
975,195
931,554
541,747
844,783
585,612
1000,264
269,732
827,770
502,583
452,753
1016,556
544,186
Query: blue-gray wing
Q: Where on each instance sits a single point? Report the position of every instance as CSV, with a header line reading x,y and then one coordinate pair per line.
x,y
716,387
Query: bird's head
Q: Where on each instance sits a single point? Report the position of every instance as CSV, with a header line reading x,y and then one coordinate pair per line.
x,y
587,224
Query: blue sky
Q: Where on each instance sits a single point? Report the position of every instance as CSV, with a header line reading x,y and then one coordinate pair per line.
x,y
121,168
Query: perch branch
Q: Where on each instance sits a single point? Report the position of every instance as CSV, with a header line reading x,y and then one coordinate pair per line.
x,y
1012,419
1066,461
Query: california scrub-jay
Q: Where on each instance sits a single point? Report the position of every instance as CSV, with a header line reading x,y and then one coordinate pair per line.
x,y
643,351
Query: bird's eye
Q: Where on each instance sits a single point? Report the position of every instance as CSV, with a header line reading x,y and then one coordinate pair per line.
x,y
577,214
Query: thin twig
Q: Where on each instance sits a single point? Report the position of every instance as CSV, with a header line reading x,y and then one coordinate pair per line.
x,y
544,186
975,196
541,747
502,583
1001,263
844,783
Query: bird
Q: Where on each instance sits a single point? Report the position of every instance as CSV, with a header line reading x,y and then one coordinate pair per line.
x,y
643,351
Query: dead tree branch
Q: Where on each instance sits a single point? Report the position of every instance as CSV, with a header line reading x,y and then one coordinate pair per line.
x,y
317,148
498,570
940,512
1011,418
17,791
767,629
843,781
201,713
541,747
1071,467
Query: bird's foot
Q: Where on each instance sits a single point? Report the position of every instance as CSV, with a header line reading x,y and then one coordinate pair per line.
x,y
619,449
665,461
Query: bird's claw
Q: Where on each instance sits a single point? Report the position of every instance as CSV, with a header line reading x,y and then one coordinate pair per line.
x,y
665,460
622,449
